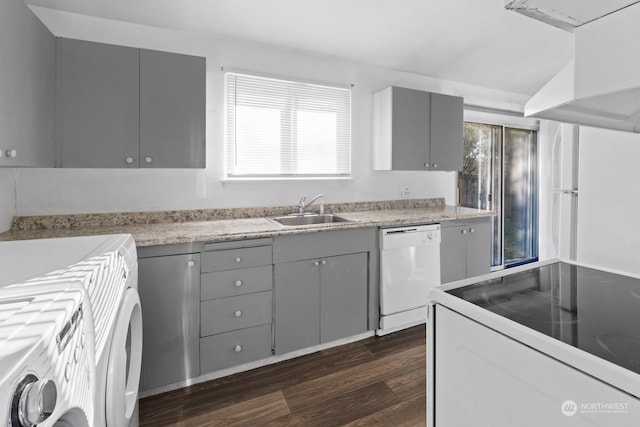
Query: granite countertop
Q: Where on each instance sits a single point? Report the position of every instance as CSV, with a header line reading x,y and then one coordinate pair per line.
x,y
171,227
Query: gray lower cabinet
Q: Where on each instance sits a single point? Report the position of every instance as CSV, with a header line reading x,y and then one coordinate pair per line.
x,y
343,296
169,288
234,348
236,304
325,298
319,301
465,250
122,107
297,304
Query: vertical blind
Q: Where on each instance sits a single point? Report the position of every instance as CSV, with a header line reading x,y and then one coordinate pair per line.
x,y
280,128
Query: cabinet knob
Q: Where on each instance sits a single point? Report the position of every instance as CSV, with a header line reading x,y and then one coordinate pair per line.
x,y
426,165
471,230
464,231
12,153
238,283
148,159
129,160
237,348
316,263
435,166
238,313
238,259
324,262
191,263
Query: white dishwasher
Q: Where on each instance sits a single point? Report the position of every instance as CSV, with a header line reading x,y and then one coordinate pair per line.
x,y
409,267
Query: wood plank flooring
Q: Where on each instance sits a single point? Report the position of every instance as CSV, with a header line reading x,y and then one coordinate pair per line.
x,y
379,381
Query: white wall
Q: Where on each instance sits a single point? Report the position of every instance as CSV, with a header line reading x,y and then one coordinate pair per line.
x,y
44,191
609,200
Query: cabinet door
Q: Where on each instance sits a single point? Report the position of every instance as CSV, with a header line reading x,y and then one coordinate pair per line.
x,y
98,105
172,110
343,296
453,253
479,248
446,132
27,87
169,289
297,305
410,129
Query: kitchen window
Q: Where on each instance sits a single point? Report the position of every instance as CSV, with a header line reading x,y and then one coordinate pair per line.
x,y
500,174
286,129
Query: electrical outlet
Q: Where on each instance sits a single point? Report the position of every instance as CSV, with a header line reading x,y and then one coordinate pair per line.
x,y
405,192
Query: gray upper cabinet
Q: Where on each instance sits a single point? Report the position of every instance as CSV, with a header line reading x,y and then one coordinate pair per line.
x,y
172,110
27,88
121,107
410,129
465,250
98,105
447,141
417,130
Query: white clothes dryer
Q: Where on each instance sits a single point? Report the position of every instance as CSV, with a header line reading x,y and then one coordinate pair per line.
x,y
106,266
47,366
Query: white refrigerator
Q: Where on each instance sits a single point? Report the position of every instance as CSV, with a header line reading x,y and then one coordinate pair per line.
x,y
564,181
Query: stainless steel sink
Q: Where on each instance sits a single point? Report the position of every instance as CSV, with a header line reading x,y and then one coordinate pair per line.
x,y
311,219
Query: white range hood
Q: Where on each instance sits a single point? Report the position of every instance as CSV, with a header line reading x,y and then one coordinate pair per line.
x,y
601,86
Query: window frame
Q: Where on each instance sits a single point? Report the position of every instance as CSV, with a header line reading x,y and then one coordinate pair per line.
x,y
290,101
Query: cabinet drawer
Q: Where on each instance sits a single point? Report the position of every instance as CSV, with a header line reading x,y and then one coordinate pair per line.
x,y
228,283
235,258
234,348
228,314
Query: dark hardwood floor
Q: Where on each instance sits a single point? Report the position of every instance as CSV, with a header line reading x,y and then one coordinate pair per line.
x,y
379,381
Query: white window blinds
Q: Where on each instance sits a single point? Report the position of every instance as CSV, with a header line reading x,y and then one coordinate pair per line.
x,y
279,128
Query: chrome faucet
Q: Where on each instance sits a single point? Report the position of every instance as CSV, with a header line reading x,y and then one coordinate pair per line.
x,y
302,205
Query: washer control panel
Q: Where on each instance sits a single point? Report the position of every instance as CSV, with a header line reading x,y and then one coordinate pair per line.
x,y
49,342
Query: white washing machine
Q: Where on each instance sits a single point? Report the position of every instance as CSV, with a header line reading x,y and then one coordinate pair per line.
x,y
106,266
47,366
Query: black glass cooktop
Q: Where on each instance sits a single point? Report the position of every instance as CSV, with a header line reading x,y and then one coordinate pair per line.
x,y
593,310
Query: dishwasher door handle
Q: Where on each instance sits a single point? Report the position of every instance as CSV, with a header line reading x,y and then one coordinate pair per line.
x,y
408,230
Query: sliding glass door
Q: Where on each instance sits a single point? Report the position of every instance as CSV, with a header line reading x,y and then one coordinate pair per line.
x,y
500,174
520,197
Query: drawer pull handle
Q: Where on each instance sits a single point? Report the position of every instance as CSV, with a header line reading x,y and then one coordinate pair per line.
x,y
324,262
238,259
464,231
238,348
471,230
191,263
316,263
238,313
238,283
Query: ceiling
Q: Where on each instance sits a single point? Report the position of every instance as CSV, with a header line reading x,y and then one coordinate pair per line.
x,y
470,41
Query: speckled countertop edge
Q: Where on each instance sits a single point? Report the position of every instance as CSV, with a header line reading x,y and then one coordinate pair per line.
x,y
164,233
